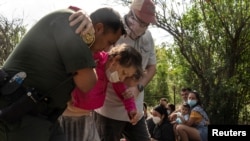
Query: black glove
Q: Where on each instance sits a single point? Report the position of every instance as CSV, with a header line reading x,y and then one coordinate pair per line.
x,y
3,77
16,110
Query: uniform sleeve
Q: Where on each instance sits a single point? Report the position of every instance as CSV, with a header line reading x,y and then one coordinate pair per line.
x,y
73,51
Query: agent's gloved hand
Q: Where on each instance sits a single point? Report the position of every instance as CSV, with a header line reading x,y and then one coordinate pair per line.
x,y
3,77
15,111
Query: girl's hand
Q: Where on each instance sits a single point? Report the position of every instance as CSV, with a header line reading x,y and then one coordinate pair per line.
x,y
83,18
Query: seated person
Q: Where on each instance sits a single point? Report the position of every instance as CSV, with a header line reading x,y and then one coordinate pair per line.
x,y
163,130
195,128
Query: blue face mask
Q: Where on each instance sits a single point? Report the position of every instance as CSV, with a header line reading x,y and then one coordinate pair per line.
x,y
191,103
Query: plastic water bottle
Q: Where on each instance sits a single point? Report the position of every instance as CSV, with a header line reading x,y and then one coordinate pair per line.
x,y
14,83
18,78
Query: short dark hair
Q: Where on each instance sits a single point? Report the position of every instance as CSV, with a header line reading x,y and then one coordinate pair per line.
x,y
164,99
162,110
186,105
172,107
110,18
186,89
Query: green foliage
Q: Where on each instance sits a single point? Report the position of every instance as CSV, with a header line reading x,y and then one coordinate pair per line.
x,y
170,76
11,33
213,37
158,87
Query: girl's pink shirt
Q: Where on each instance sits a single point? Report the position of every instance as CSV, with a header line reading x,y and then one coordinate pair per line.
x,y
95,97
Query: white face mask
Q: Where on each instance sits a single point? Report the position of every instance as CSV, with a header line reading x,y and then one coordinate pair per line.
x,y
113,77
156,120
168,111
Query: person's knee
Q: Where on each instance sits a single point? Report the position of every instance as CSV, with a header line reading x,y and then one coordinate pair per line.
x,y
179,127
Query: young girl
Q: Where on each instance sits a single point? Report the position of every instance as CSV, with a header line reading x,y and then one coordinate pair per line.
x,y
121,64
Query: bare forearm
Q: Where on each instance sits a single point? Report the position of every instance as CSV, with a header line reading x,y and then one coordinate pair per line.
x,y
148,75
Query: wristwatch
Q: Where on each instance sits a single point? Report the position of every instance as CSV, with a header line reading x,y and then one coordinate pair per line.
x,y
140,87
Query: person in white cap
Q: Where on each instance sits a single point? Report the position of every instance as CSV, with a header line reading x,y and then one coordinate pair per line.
x,y
112,120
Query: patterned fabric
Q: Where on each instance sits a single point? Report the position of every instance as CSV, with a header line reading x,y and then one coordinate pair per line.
x,y
79,128
202,125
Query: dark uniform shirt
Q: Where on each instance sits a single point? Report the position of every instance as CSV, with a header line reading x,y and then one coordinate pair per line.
x,y
49,53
